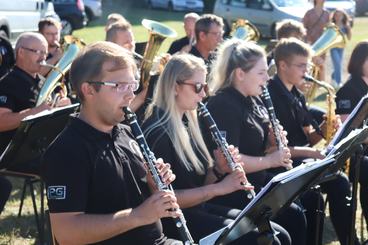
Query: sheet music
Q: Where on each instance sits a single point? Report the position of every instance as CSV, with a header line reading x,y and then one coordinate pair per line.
x,y
51,111
348,140
347,123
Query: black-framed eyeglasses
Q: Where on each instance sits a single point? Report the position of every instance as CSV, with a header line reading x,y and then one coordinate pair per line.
x,y
197,86
36,51
119,86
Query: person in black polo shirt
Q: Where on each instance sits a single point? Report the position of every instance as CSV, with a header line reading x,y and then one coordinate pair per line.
x,y
208,31
20,87
173,133
239,73
291,58
184,44
347,97
98,189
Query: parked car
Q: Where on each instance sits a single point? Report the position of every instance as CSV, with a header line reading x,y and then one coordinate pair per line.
x,y
93,9
177,5
18,16
72,15
347,5
361,7
264,14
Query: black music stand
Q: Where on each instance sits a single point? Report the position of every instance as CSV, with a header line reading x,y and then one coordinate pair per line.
x,y
33,136
356,119
22,155
277,194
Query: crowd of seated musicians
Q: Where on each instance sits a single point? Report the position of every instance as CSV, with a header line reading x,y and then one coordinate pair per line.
x,y
110,197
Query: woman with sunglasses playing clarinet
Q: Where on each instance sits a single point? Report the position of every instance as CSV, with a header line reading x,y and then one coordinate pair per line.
x,y
172,131
238,78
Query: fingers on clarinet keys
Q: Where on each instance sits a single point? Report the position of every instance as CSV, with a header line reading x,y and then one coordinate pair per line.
x,y
167,176
173,212
247,186
170,204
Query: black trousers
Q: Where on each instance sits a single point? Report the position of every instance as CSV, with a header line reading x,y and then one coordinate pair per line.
x,y
207,218
5,189
338,193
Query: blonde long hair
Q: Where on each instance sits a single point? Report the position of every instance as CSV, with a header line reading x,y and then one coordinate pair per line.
x,y
232,54
181,67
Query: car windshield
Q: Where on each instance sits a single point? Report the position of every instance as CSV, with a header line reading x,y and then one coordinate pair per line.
x,y
290,3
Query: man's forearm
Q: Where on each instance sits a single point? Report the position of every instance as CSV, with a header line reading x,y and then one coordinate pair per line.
x,y
11,120
80,228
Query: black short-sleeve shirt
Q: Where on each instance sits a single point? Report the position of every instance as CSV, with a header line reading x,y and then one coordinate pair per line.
x,y
18,91
349,95
177,45
245,124
86,170
291,111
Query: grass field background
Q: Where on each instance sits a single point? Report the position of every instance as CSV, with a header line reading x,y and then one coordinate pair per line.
x,y
14,230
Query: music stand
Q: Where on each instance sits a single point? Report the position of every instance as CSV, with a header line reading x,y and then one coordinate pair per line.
x,y
280,191
346,147
33,136
30,141
356,119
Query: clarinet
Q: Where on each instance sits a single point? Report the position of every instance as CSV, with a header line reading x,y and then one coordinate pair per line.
x,y
150,158
266,98
220,141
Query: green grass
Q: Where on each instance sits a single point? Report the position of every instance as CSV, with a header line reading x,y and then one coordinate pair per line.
x,y
14,230
95,31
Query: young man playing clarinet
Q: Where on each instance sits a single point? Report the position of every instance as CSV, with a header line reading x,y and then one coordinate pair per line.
x,y
97,187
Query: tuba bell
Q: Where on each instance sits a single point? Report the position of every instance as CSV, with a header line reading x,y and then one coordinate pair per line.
x,y
54,79
158,33
332,37
244,30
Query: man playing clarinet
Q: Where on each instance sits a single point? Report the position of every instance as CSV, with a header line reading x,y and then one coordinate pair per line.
x,y
98,190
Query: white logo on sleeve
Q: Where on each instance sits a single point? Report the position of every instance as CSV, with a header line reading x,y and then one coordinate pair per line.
x,y
56,192
344,104
3,99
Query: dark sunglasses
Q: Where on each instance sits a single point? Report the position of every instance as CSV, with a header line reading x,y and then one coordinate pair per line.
x,y
197,86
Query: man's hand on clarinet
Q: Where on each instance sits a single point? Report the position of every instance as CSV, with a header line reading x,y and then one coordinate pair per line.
x,y
161,204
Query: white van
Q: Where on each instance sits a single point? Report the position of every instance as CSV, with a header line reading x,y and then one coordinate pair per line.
x,y
262,13
17,16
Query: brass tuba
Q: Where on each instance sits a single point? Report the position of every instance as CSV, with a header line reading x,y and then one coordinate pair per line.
x,y
158,33
244,30
332,37
331,106
54,78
